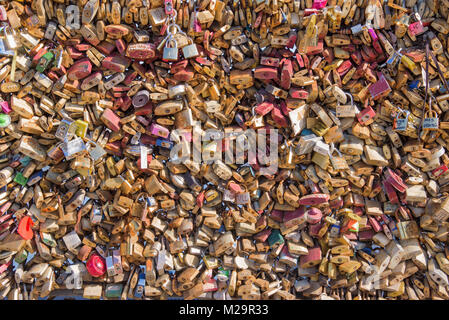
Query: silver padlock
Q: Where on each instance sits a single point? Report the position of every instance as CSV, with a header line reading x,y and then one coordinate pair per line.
x,y
73,148
401,123
50,31
190,50
430,122
10,39
170,53
65,130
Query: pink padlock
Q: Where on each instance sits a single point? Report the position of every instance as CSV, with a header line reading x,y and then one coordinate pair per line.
x,y
319,4
374,224
264,108
373,34
297,93
3,16
159,130
416,28
5,107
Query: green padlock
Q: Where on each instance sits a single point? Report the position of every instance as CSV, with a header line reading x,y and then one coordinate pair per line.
x,y
275,238
44,61
20,179
113,290
48,239
21,256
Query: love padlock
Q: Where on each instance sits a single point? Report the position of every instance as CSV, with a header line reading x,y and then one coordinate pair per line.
x,y
170,52
430,121
400,124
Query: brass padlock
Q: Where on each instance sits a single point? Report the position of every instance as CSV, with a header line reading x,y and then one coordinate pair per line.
x,y
190,50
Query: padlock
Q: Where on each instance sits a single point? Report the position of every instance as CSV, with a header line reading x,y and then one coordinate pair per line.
x,y
73,148
400,124
190,50
170,52
430,121
366,116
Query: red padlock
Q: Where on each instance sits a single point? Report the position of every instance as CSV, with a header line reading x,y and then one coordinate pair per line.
x,y
265,73
277,215
263,235
379,89
96,265
278,117
286,74
298,93
314,199
141,51
294,218
269,61
121,45
391,193
336,203
116,63
291,40
300,60
344,67
440,170
80,70
312,258
366,116
184,75
316,49
111,120
116,30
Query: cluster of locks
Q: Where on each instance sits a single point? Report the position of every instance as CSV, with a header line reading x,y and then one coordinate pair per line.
x,y
353,92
